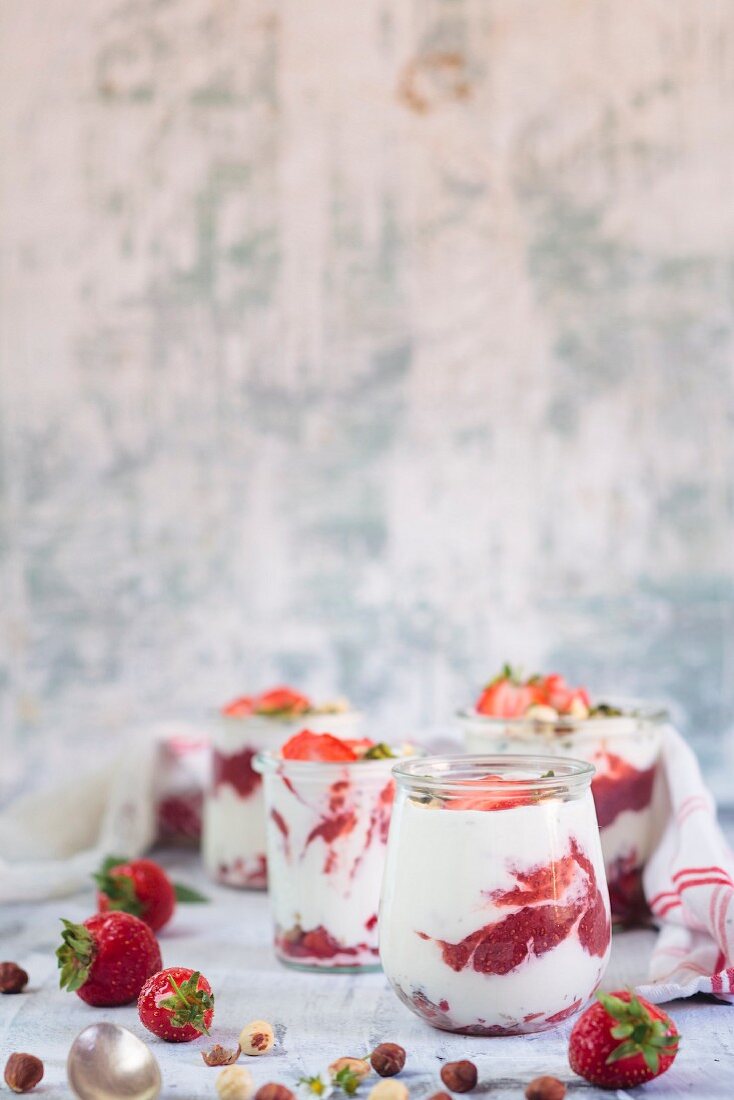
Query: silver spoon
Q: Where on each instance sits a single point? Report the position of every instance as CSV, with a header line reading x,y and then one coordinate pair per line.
x,y
108,1062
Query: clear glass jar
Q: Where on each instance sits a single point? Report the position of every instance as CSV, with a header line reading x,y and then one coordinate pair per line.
x,y
327,829
628,788
494,917
233,837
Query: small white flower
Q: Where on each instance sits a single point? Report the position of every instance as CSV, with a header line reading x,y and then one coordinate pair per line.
x,y
319,1085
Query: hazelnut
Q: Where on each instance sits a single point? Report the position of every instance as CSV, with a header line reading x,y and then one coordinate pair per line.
x,y
358,1067
235,1083
23,1072
13,978
256,1038
387,1059
545,1088
273,1091
388,1090
459,1076
440,1096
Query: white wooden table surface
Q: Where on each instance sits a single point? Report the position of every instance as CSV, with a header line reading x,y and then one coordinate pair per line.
x,y
317,1017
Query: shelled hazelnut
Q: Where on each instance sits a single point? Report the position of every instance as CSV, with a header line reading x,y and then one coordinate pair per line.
x,y
23,1072
459,1076
274,1091
256,1038
545,1088
235,1083
389,1089
387,1059
13,978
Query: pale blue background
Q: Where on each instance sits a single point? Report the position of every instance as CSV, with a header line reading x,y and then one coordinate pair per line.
x,y
363,346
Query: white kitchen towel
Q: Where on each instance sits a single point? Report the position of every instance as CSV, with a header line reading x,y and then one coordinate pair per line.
x,y
689,886
52,841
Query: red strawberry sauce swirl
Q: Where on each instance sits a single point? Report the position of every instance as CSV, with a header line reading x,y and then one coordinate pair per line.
x,y
237,770
318,943
541,923
618,786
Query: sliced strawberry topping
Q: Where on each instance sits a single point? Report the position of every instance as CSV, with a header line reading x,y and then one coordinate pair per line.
x,y
322,747
282,700
505,699
510,696
241,707
490,800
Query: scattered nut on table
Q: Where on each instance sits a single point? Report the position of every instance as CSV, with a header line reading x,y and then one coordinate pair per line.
x,y
545,1088
387,1059
13,978
256,1038
220,1056
360,1067
389,1089
235,1083
459,1076
23,1072
440,1096
274,1091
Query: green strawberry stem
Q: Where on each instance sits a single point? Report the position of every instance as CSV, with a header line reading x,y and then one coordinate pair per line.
x,y
187,894
75,955
638,1031
347,1080
120,889
188,1004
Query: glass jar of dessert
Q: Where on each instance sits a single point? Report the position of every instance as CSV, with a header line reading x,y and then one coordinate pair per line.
x,y
622,739
233,836
328,803
494,917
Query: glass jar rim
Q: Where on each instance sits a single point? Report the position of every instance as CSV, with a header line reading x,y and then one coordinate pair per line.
x,y
283,719
266,762
631,709
485,772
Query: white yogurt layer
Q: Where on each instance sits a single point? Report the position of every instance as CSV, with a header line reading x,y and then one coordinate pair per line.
x,y
443,867
326,852
233,839
633,833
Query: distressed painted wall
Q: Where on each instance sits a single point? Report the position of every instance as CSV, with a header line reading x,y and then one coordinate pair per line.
x,y
364,345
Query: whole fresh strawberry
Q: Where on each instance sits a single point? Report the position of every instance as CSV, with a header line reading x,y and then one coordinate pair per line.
x,y
177,1004
622,1041
107,959
140,887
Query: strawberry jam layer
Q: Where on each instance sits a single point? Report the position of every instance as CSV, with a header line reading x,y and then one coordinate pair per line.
x,y
541,922
318,946
626,895
439,1015
237,770
248,873
619,786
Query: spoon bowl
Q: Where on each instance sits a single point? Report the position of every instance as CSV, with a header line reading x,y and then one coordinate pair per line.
x,y
108,1062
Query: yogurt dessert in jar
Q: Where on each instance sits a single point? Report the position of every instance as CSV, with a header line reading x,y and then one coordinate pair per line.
x,y
494,917
623,740
233,836
328,803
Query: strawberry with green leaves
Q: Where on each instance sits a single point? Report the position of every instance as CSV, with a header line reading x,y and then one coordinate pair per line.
x,y
177,1004
107,959
140,887
622,1041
